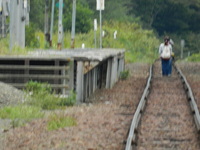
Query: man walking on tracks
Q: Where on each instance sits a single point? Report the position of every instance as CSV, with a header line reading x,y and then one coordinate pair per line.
x,y
165,51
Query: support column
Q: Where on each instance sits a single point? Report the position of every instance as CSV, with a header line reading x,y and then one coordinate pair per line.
x,y
114,77
79,82
108,75
94,74
121,65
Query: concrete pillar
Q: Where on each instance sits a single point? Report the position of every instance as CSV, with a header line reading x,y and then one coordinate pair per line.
x,y
108,75
121,65
79,82
114,77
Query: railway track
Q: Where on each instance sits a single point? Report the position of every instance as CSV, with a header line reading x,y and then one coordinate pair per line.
x,y
167,117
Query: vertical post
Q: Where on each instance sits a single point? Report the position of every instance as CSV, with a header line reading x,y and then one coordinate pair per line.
x,y
17,24
95,29
26,71
64,82
100,29
120,65
22,23
27,11
108,75
3,25
60,26
56,72
12,24
46,22
79,82
73,24
100,7
182,46
113,72
52,21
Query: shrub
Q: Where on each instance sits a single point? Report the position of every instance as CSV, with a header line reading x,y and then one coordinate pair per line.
x,y
31,39
42,95
69,101
124,75
194,58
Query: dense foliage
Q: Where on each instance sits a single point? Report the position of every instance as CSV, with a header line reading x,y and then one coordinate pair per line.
x,y
179,19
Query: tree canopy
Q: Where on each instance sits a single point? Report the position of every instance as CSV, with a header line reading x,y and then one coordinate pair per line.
x,y
179,18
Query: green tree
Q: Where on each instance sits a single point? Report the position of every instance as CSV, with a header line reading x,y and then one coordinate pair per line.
x,y
168,15
37,13
114,10
83,17
171,19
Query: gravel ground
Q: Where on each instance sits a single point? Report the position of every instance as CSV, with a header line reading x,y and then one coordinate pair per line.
x,y
101,125
192,73
10,95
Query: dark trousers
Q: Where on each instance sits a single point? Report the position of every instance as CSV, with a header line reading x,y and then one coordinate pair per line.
x,y
165,67
170,66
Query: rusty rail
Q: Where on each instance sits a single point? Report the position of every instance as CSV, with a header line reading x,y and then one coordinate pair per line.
x,y
136,118
190,97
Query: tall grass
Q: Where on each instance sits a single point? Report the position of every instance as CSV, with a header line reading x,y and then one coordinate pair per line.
x,y
56,121
20,114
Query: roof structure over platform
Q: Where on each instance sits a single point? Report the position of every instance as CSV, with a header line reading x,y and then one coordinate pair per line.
x,y
79,54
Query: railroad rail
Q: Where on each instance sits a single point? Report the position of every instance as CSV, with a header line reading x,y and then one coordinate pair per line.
x,y
135,129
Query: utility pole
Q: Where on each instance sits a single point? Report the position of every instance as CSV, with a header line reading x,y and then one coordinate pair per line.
x,y
2,17
46,22
100,7
4,10
17,23
52,21
60,26
27,11
73,24
95,30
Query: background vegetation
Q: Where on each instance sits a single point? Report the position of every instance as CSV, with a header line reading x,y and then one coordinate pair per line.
x,y
140,24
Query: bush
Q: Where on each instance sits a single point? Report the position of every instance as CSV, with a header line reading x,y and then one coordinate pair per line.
x,y
194,58
69,101
31,39
124,75
37,87
41,95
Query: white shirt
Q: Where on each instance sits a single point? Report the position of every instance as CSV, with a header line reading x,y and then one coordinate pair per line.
x,y
162,46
